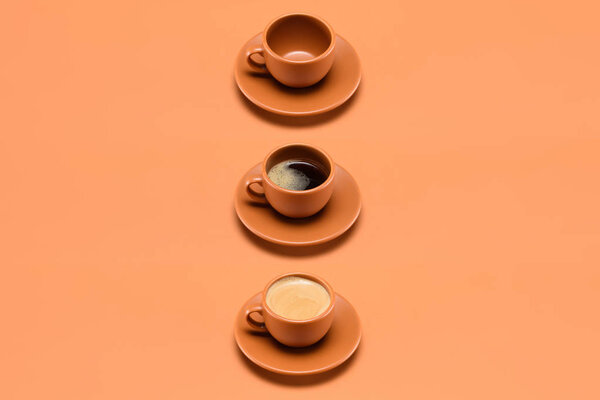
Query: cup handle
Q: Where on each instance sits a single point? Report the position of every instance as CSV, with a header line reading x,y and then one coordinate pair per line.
x,y
259,326
255,196
256,66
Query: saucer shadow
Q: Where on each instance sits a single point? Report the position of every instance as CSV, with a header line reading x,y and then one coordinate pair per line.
x,y
292,380
295,121
296,251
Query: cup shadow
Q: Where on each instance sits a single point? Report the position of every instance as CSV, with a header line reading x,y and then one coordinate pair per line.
x,y
291,380
301,251
295,121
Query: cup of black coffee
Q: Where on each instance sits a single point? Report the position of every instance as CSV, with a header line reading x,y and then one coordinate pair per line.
x,y
297,180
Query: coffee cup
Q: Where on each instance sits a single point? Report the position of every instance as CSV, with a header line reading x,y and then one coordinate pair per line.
x,y
298,50
297,309
297,180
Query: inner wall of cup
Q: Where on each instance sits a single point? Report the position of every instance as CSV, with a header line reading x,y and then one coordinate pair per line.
x,y
299,37
300,153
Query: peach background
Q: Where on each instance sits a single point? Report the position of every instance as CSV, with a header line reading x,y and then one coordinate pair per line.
x,y
475,138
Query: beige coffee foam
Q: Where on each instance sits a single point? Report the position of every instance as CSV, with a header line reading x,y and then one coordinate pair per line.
x,y
297,298
288,178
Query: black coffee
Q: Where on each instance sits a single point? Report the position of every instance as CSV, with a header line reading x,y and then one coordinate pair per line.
x,y
297,175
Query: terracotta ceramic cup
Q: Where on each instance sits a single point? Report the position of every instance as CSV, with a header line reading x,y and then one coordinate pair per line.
x,y
294,333
293,203
298,50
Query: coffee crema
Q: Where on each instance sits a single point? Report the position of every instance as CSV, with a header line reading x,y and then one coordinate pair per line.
x,y
297,175
297,298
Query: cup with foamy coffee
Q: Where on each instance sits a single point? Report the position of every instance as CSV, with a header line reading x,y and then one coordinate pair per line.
x,y
297,180
297,309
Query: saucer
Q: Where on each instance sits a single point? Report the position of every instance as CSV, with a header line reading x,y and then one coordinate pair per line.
x,y
340,342
335,218
332,91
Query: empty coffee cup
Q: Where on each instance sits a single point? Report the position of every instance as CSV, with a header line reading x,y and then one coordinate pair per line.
x,y
297,180
297,309
298,50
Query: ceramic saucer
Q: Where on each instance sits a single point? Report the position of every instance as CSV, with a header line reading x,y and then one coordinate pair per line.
x,y
340,342
332,91
337,217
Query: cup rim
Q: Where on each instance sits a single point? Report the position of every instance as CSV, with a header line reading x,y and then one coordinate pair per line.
x,y
306,275
285,60
299,192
